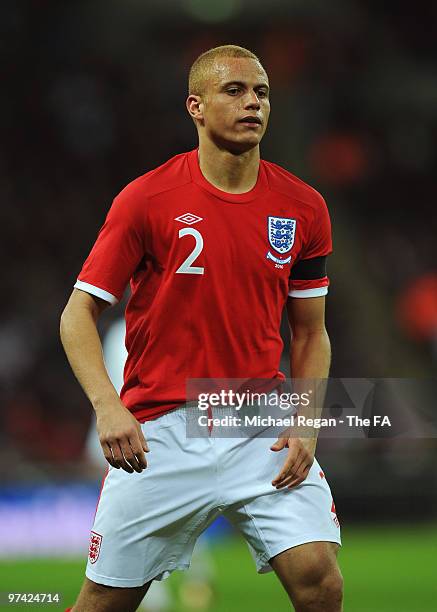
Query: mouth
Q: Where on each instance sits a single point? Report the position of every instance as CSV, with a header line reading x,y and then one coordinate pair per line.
x,y
250,120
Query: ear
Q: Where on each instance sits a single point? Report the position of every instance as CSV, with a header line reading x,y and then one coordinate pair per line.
x,y
194,106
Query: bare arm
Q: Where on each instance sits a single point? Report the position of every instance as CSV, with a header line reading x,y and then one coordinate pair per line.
x,y
310,350
310,357
120,434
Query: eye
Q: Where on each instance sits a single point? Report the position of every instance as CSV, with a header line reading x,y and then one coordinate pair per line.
x,y
233,91
262,93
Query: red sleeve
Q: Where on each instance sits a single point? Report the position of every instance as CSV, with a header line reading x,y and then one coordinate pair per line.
x,y
308,277
118,250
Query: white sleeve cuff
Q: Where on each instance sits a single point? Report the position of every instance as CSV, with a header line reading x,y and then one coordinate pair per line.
x,y
308,293
100,293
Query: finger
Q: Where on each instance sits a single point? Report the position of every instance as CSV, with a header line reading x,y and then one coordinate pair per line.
x,y
297,454
296,482
281,482
300,477
290,480
287,468
295,474
129,455
143,440
279,444
119,458
138,451
294,471
291,484
108,455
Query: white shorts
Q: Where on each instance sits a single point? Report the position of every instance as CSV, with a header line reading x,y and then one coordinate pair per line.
x,y
147,524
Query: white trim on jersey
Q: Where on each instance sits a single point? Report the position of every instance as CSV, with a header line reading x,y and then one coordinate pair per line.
x,y
308,293
100,293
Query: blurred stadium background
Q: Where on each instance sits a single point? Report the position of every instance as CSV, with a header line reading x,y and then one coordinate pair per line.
x,y
93,96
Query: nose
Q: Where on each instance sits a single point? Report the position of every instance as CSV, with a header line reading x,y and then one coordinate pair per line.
x,y
252,101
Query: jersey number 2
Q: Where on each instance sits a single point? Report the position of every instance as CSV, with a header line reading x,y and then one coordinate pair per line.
x,y
186,267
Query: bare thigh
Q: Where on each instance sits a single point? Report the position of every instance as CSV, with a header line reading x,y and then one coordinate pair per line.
x,y
307,566
95,597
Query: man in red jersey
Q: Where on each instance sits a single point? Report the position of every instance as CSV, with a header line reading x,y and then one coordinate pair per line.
x,y
214,242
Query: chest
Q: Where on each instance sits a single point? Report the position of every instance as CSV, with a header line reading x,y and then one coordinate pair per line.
x,y
211,238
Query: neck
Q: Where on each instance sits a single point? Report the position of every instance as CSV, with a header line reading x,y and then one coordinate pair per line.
x,y
233,173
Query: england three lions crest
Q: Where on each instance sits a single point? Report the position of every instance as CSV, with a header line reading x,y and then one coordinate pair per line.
x,y
94,547
281,232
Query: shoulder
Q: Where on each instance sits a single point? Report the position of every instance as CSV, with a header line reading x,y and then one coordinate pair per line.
x,y
284,182
172,174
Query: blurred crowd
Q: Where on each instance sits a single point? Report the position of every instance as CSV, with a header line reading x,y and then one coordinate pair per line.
x,y
93,96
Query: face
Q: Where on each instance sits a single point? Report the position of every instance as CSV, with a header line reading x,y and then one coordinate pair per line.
x,y
234,109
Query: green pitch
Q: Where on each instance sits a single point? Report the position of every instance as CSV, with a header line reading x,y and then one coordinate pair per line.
x,y
386,569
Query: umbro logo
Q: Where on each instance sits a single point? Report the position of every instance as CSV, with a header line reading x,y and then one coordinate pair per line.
x,y
188,218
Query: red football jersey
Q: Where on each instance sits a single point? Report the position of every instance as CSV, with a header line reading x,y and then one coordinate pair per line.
x,y
210,273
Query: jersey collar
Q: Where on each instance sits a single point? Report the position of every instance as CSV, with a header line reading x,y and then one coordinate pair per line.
x,y
260,187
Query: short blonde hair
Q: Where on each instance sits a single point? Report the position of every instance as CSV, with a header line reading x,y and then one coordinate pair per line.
x,y
202,65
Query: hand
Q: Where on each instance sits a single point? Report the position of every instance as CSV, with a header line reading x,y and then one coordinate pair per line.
x,y
299,460
121,437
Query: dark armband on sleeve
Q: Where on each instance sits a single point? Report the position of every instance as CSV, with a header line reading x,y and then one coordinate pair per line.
x,y
309,269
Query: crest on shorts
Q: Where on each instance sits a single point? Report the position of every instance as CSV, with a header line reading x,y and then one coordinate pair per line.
x,y
281,231
334,513
94,549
